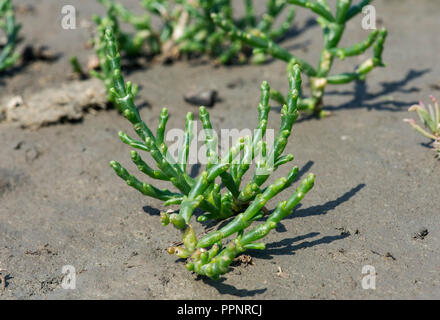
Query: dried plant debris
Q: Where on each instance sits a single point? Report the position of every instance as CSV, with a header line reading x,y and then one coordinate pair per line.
x,y
387,255
243,260
68,103
344,231
390,256
421,234
44,250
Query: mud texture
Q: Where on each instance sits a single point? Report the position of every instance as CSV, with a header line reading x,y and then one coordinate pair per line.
x,y
55,105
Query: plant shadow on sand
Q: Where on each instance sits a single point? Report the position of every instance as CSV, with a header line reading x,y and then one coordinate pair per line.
x,y
29,56
372,101
151,210
224,288
363,99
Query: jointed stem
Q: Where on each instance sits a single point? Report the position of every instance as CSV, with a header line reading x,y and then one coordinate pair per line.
x,y
214,264
7,22
247,204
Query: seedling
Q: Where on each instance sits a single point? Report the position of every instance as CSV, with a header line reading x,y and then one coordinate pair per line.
x,y
187,27
430,118
333,27
8,56
77,69
211,255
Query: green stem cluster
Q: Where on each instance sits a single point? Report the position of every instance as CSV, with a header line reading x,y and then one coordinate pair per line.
x,y
8,56
144,31
105,74
430,118
187,27
333,27
246,203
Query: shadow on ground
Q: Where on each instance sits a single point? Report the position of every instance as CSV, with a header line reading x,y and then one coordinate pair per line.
x,y
363,99
224,288
380,101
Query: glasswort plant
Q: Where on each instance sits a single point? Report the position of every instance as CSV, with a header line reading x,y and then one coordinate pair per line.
x,y
211,255
333,27
99,43
203,36
7,23
187,27
430,118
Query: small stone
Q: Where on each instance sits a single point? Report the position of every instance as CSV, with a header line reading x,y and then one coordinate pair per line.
x,y
205,98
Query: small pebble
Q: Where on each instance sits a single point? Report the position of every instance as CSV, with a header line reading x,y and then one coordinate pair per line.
x,y
205,98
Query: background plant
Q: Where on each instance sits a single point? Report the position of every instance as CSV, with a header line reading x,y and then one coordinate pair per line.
x,y
105,72
333,27
210,255
8,56
187,27
430,118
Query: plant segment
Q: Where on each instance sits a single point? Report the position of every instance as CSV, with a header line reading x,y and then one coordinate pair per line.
x,y
211,255
105,74
430,118
10,28
333,27
187,27
144,31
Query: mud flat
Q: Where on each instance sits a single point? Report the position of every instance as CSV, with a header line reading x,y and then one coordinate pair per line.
x,y
377,183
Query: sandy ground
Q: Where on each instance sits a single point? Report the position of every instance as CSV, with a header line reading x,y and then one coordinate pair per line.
x,y
377,182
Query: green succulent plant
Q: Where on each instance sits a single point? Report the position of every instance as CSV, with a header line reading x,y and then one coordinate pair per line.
x,y
187,27
8,56
105,74
245,203
333,27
